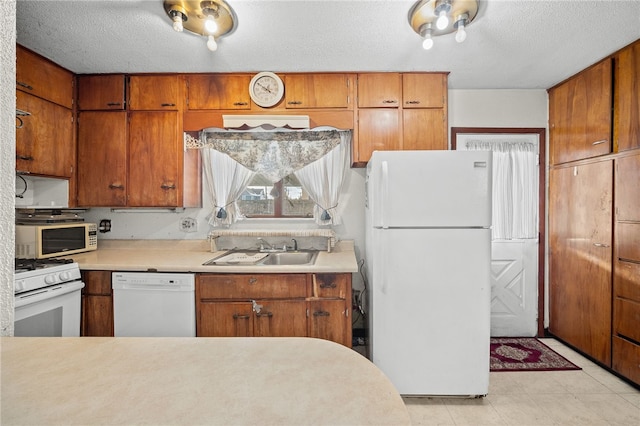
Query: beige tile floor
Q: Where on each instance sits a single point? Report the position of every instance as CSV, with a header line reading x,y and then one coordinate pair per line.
x,y
591,396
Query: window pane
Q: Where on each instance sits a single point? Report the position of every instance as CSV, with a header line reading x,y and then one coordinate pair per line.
x,y
285,198
295,201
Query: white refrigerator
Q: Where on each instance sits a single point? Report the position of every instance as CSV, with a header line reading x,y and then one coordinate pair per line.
x,y
427,262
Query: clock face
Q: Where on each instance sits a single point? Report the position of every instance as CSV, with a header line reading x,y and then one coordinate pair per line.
x,y
266,89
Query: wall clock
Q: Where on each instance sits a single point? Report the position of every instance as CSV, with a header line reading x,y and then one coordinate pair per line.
x,y
266,89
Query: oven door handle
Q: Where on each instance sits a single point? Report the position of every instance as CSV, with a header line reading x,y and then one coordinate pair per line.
x,y
41,294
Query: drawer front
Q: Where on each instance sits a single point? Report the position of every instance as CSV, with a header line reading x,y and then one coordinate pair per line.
x,y
250,286
626,317
333,286
626,359
628,241
626,282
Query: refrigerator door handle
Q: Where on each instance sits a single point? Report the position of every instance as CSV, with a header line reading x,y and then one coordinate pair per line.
x,y
385,193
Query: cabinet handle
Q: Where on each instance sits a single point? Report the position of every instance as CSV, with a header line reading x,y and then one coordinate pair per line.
x,y
167,186
264,314
114,186
240,103
412,102
253,280
294,103
24,157
25,85
601,245
321,314
19,126
389,101
238,316
328,285
113,104
600,142
167,105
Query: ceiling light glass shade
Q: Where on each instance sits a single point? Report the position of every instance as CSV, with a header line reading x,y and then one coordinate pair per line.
x,y
177,22
443,17
196,14
211,44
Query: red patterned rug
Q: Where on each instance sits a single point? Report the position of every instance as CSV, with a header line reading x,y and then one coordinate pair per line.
x,y
525,354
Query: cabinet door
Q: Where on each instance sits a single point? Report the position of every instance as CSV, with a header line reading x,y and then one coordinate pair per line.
x,y
102,159
627,189
155,92
101,92
580,115
155,148
97,304
627,98
316,91
379,90
224,319
280,318
378,129
424,129
42,78
424,90
215,91
580,260
333,286
329,319
44,144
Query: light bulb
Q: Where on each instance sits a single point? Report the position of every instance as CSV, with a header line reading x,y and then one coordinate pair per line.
x,y
428,42
210,25
211,44
177,22
443,20
461,34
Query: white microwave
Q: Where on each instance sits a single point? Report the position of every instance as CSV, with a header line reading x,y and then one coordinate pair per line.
x,y
56,239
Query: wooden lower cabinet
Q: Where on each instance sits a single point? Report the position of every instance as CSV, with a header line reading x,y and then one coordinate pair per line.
x,y
580,257
274,305
97,304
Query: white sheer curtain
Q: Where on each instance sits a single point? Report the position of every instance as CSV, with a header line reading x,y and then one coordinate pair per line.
x,y
515,188
226,179
323,180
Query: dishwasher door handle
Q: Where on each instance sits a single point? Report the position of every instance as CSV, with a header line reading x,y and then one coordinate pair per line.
x,y
151,287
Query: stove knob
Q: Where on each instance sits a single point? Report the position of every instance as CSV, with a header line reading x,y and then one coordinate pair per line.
x,y
20,286
50,279
64,276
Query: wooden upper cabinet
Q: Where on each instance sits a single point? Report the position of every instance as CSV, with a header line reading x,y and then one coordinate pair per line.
x,y
424,128
156,92
424,90
627,196
44,144
101,92
379,90
580,115
316,90
379,129
102,135
626,113
42,78
156,159
218,91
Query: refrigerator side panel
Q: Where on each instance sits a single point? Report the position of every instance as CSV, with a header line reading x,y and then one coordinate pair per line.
x,y
431,188
430,310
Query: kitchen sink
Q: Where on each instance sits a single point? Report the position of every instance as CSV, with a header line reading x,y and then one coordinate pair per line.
x,y
256,258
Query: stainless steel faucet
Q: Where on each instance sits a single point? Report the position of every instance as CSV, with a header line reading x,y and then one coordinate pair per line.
x,y
295,244
263,243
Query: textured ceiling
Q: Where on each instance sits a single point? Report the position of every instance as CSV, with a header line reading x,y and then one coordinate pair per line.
x,y
512,44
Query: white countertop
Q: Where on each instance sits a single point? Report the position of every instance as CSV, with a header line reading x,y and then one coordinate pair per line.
x,y
189,256
185,381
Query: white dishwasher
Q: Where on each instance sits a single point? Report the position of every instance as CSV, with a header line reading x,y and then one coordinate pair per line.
x,y
153,304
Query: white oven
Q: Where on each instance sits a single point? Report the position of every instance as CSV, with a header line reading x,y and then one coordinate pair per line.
x,y
48,301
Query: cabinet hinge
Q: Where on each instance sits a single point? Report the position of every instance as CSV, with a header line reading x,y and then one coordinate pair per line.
x,y
307,312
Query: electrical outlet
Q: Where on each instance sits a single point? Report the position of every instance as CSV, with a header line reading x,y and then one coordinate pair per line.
x,y
188,224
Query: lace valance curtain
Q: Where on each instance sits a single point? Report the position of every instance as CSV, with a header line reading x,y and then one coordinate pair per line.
x,y
318,157
515,187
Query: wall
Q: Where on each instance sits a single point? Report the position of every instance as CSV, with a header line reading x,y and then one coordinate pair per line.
x,y
7,161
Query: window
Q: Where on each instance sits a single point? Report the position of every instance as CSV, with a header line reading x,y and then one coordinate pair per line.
x,y
285,198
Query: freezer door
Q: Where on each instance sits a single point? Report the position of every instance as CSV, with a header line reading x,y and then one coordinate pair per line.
x,y
429,309
429,189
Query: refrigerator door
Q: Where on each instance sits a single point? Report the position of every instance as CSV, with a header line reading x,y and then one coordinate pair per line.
x,y
429,303
429,189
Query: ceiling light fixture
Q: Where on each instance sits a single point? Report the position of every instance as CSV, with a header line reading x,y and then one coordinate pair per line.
x,y
209,18
430,18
